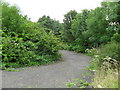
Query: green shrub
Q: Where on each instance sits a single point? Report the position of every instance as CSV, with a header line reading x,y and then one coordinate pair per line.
x,y
116,37
110,49
78,48
73,47
14,51
95,63
106,53
77,83
92,52
38,49
24,43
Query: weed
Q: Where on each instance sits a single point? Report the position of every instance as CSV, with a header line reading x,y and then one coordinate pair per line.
x,y
85,83
82,87
81,81
70,84
91,52
12,69
29,87
77,83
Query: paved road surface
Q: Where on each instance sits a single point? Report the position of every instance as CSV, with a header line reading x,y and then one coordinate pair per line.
x,y
49,76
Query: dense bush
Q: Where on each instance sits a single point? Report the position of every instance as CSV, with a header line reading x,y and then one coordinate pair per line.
x,y
25,43
109,52
36,49
110,49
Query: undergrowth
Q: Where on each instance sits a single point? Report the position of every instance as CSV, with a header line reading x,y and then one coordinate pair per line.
x,y
105,64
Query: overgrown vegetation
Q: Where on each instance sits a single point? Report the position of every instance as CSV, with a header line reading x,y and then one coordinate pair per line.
x,y
92,28
105,64
25,43
106,78
96,31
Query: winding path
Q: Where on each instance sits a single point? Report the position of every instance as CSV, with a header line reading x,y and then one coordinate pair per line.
x,y
49,76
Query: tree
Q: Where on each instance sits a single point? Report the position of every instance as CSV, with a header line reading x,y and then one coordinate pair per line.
x,y
67,25
13,21
113,17
78,27
57,27
50,25
46,22
79,23
97,24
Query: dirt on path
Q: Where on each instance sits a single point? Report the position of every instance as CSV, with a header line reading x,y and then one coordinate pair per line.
x,y
54,75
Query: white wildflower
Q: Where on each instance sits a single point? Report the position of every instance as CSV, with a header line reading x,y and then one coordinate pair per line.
x,y
99,86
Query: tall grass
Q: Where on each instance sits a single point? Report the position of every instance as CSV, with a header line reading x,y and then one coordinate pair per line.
x,y
105,78
105,64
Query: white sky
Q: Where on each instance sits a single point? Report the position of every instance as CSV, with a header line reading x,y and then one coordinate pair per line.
x,y
54,8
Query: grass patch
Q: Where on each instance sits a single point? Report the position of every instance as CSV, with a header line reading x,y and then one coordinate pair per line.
x,y
106,79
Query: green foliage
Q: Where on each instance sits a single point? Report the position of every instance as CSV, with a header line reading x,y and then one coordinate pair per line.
x,y
99,31
92,28
12,20
116,37
70,84
37,49
67,34
77,83
13,50
106,53
106,79
112,10
95,63
29,87
110,49
46,22
79,24
12,69
50,25
73,47
25,43
91,52
97,24
105,64
85,84
78,48
76,27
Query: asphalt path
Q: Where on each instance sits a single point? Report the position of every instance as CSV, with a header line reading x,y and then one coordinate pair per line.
x,y
71,66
